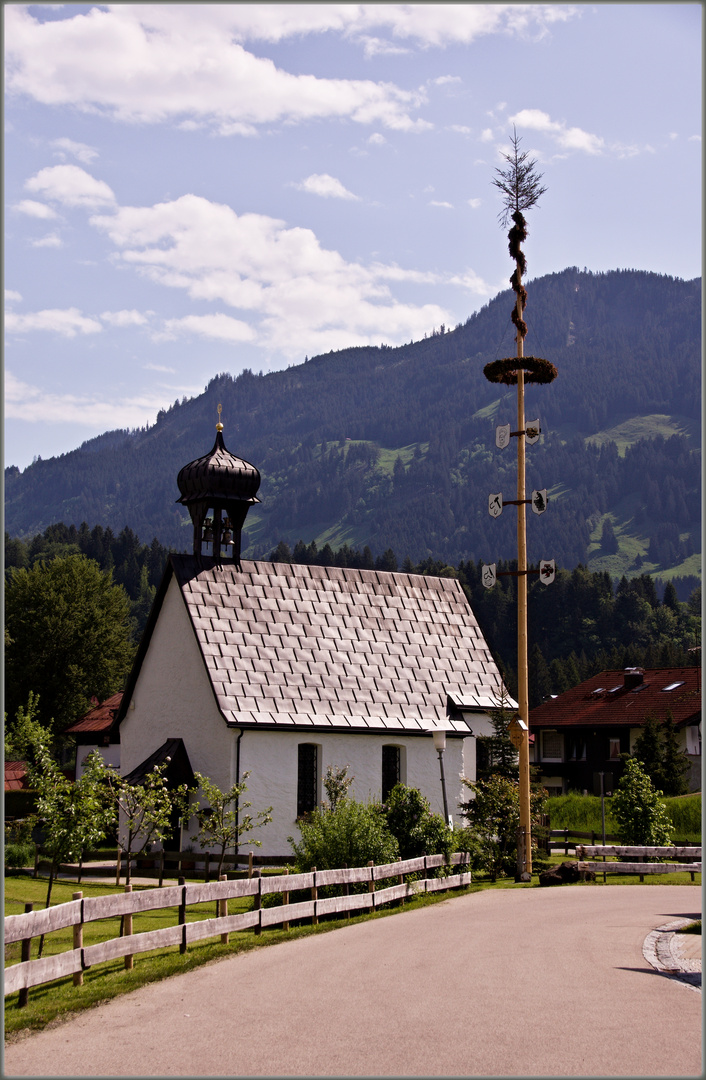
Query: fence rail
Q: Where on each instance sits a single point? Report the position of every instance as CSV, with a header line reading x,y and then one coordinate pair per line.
x,y
77,912
158,864
568,835
619,854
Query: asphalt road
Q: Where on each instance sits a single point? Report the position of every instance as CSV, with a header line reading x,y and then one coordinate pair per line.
x,y
530,982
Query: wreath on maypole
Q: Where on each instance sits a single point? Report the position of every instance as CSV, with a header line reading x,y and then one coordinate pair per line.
x,y
535,368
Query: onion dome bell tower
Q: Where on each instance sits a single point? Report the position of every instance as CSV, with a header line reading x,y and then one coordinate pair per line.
x,y
218,490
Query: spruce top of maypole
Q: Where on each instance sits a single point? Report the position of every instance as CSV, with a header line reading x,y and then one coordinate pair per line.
x,y
521,188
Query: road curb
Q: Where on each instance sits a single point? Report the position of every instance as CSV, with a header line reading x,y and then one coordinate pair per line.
x,y
659,950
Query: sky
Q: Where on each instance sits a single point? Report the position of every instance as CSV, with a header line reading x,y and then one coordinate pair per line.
x,y
193,189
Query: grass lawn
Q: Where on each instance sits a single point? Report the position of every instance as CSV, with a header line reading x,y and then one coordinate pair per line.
x,y
53,1001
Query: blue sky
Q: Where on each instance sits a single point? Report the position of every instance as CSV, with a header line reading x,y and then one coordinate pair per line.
x,y
194,188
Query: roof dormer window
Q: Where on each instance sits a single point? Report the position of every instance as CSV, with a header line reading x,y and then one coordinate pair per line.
x,y
672,686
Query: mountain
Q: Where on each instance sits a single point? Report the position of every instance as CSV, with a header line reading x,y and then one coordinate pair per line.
x,y
395,447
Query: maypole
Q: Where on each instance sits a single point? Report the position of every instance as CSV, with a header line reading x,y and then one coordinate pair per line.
x,y
520,186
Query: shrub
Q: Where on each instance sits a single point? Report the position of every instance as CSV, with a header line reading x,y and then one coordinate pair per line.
x,y
18,855
351,835
417,830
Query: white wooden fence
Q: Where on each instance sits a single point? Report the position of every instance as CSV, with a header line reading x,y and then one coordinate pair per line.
x,y
619,866
76,913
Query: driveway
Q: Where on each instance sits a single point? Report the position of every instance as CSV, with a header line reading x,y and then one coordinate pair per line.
x,y
519,982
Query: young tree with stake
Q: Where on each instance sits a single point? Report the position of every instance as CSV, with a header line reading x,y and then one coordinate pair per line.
x,y
222,822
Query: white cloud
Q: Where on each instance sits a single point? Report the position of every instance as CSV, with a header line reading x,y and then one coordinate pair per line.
x,y
474,203
71,185
123,318
67,322
218,327
32,405
51,240
151,63
460,129
35,209
326,186
446,205
299,297
487,135
694,138
442,80
573,138
11,296
80,151
159,367
376,139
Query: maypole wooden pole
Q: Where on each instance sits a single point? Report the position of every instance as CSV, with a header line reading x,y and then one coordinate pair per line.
x,y
522,676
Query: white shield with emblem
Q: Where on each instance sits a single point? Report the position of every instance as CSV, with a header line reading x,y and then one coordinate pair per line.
x,y
502,436
532,432
547,571
495,505
489,575
539,501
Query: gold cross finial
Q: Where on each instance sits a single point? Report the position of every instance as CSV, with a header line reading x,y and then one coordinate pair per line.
x,y
219,425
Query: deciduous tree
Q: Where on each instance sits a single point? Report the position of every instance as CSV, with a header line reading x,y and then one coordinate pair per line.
x,y
70,638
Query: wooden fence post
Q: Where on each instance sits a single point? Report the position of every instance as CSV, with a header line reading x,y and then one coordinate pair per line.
x,y
223,910
285,901
257,902
400,881
78,937
371,883
80,871
314,897
127,931
118,864
566,843
25,955
182,914
206,871
250,864
347,891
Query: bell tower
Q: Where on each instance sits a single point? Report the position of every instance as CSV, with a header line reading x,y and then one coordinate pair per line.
x,y
218,490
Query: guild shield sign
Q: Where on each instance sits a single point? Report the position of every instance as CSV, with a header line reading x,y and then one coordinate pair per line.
x,y
502,436
495,505
539,501
489,575
532,432
547,571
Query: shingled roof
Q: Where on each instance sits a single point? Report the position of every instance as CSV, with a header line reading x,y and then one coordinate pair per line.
x,y
295,646
617,698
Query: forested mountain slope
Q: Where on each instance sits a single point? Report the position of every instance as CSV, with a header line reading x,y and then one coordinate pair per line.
x,y
395,447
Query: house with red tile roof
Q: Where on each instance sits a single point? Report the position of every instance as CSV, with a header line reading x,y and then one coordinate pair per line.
x,y
583,731
97,730
16,776
281,670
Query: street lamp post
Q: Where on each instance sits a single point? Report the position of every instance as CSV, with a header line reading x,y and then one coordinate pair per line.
x,y
439,736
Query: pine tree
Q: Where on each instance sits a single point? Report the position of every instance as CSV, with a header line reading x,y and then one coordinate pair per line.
x,y
671,776
648,747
